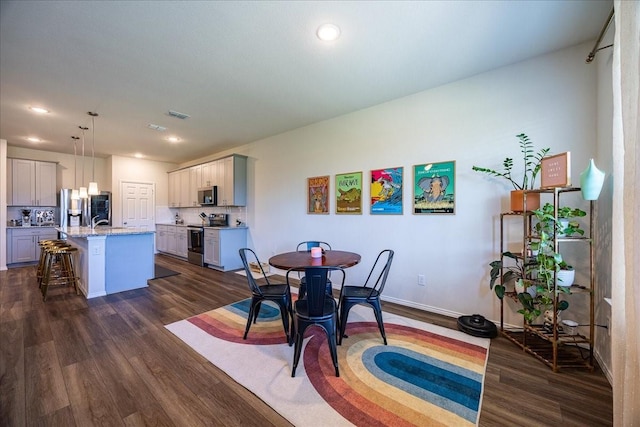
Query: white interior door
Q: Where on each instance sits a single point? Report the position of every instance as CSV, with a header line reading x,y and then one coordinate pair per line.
x,y
138,205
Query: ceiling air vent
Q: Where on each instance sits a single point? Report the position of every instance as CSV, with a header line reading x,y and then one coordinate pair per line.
x,y
178,115
156,127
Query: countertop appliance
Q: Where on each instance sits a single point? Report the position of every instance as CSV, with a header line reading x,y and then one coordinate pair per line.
x,y
208,196
218,220
195,244
44,217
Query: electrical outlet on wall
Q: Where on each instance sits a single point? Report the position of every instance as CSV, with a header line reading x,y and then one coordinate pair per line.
x,y
421,280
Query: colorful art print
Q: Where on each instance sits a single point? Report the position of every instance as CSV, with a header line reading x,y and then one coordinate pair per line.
x,y
318,195
434,188
386,191
349,193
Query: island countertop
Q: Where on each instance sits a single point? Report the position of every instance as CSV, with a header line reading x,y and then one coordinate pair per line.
x,y
76,232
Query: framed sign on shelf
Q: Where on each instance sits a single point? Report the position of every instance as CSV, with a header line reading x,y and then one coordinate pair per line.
x,y
386,191
318,195
434,188
349,193
555,171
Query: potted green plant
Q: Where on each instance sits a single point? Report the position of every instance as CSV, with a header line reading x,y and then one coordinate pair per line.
x,y
517,272
532,164
547,222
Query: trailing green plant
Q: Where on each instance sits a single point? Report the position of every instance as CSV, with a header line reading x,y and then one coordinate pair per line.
x,y
547,224
518,270
532,164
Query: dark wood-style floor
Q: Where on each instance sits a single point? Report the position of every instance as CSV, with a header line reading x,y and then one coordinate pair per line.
x,y
110,361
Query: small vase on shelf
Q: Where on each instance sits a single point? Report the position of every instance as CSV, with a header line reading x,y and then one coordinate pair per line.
x,y
591,181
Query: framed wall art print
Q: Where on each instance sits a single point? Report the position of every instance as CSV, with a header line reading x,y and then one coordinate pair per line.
x,y
434,188
318,195
386,191
349,193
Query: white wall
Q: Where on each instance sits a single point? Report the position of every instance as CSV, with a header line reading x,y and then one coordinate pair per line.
x,y
603,236
551,98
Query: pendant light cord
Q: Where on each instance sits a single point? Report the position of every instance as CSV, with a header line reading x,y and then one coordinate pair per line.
x,y
83,129
75,165
93,145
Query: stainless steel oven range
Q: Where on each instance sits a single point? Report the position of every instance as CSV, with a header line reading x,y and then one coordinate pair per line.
x,y
195,241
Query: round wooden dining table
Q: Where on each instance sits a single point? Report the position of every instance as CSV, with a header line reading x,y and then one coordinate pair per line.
x,y
299,260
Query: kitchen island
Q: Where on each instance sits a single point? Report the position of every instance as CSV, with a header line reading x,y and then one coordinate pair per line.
x,y
111,259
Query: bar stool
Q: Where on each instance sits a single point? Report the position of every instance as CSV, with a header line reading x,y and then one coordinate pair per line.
x,y
44,244
59,269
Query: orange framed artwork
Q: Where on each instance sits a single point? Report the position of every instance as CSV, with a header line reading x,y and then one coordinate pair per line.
x,y
318,195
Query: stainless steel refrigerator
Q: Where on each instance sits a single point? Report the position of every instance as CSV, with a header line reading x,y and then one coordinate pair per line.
x,y
78,213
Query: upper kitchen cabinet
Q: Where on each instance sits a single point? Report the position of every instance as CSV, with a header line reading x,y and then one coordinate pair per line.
x,y
174,189
180,190
209,174
33,183
232,180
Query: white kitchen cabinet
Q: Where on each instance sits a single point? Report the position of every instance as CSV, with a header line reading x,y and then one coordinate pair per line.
x,y
22,243
181,242
186,195
33,183
161,238
209,174
180,191
221,246
174,189
172,239
212,247
231,180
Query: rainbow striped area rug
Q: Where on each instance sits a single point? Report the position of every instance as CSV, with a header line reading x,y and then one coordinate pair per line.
x,y
426,375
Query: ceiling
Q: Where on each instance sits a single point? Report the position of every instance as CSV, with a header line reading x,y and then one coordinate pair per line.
x,y
244,71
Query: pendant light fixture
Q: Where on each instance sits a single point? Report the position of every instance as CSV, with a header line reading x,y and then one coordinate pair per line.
x,y
75,195
83,190
93,185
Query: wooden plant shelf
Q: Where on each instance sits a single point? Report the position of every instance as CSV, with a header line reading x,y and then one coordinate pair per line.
x,y
569,353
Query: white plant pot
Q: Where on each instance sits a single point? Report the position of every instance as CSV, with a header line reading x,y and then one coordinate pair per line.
x,y
566,277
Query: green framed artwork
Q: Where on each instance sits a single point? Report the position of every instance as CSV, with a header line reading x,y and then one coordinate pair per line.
x,y
386,191
318,195
349,193
434,188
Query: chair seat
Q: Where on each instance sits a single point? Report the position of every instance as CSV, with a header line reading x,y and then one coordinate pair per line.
x,y
328,309
359,292
275,289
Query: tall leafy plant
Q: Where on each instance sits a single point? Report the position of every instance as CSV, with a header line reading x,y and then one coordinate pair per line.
x,y
532,163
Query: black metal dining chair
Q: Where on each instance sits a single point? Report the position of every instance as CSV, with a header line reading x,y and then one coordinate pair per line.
x,y
306,246
279,293
368,294
317,309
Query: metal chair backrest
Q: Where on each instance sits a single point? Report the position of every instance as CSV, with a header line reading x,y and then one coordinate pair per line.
x,y
316,287
380,271
306,246
247,255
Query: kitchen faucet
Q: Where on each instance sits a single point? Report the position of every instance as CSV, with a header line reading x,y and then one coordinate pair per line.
x,y
94,222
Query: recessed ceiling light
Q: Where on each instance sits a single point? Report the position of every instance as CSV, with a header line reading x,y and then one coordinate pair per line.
x,y
328,32
138,155
173,139
33,139
39,110
156,127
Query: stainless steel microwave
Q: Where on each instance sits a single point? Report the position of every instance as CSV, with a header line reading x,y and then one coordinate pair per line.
x,y
208,196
